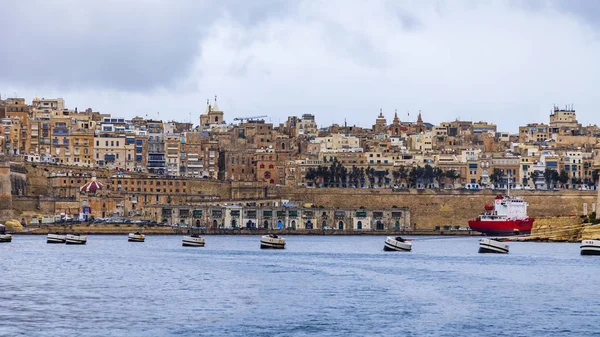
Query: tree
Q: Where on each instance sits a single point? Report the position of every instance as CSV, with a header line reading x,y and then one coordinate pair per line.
x,y
595,176
563,177
452,175
396,176
404,174
534,176
497,176
548,176
438,174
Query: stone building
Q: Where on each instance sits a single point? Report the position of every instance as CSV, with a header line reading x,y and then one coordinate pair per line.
x,y
275,216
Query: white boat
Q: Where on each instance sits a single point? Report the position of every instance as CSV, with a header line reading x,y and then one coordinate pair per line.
x,y
136,237
492,246
272,241
56,238
4,237
76,239
397,244
193,240
590,247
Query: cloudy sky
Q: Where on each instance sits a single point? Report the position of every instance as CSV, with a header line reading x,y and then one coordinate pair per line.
x,y
507,62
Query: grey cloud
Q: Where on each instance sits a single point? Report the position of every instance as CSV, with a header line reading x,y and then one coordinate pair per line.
x,y
123,45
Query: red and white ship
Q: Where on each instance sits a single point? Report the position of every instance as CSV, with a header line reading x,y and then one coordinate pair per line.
x,y
506,216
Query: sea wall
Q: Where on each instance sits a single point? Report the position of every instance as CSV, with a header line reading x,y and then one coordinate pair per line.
x,y
431,208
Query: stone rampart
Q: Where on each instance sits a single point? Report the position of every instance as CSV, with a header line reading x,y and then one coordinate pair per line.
x,y
431,208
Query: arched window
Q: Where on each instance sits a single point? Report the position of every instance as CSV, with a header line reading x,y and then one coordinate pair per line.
x,y
271,166
271,181
359,225
341,225
283,146
267,175
262,166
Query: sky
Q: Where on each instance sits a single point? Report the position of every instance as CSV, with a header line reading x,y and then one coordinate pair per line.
x,y
506,62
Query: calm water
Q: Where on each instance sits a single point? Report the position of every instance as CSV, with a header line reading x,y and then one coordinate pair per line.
x,y
326,286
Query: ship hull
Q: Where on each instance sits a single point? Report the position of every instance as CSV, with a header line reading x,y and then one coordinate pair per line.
x,y
503,227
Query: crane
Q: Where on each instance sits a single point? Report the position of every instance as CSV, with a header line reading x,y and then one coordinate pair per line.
x,y
242,119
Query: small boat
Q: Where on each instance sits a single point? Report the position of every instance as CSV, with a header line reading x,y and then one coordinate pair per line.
x,y
193,240
590,247
56,238
397,244
492,246
272,241
4,237
136,237
75,239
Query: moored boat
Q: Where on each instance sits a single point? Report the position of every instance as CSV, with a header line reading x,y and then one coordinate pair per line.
x,y
4,237
397,244
56,238
492,246
590,247
136,237
272,241
75,239
506,216
193,240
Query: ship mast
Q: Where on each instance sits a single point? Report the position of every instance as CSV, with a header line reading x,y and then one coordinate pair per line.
x,y
508,185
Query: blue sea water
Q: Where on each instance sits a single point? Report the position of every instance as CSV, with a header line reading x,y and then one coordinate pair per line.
x,y
317,286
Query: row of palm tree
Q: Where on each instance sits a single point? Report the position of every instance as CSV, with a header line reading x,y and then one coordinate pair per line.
x,y
551,178
337,175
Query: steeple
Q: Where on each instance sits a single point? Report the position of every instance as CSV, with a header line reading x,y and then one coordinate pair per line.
x,y
215,106
419,119
207,107
396,119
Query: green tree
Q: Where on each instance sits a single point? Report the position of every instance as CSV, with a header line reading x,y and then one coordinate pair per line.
x,y
452,175
563,177
496,177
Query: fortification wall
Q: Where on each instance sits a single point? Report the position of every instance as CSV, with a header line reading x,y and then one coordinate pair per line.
x,y
437,208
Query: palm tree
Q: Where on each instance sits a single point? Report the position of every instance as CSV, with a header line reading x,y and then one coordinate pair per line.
x,y
563,177
396,176
438,174
497,176
534,176
404,174
548,177
428,175
452,175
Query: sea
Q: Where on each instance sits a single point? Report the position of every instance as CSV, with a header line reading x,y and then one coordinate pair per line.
x,y
317,286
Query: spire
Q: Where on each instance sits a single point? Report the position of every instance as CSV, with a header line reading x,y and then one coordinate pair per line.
x,y
215,106
380,113
419,119
207,107
396,119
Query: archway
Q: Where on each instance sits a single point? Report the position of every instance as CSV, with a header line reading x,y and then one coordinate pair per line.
x,y
341,225
309,225
293,224
359,225
324,224
215,224
197,223
379,225
279,224
233,223
266,224
249,224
